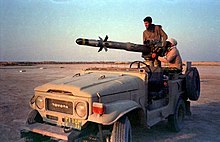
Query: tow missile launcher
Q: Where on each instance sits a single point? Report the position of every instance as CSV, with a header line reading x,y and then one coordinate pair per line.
x,y
147,48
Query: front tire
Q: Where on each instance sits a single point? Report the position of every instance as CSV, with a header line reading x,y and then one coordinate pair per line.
x,y
176,120
121,130
34,117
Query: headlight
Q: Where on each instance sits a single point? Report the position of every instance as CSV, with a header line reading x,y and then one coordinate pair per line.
x,y
81,109
39,102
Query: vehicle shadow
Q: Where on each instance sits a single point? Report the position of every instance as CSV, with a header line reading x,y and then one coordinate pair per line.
x,y
202,126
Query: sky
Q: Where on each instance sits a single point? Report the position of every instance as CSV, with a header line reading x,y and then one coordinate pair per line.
x,y
46,30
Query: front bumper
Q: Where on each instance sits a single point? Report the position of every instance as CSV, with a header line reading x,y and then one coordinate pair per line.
x,y
51,131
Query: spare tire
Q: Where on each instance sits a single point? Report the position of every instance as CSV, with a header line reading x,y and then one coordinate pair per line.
x,y
192,84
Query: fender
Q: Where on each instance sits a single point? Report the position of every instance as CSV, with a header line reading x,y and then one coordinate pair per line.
x,y
113,111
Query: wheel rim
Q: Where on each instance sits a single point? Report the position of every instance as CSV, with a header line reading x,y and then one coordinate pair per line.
x,y
129,135
128,131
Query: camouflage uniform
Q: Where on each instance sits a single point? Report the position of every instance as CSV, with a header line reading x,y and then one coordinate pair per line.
x,y
154,32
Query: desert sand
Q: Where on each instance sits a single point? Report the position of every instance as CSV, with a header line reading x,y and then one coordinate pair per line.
x,y
17,85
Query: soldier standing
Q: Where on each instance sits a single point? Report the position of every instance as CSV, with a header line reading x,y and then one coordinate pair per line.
x,y
153,33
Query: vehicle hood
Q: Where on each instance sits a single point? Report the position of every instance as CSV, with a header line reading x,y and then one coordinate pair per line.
x,y
89,84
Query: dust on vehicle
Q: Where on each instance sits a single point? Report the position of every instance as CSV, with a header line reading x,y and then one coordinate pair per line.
x,y
103,104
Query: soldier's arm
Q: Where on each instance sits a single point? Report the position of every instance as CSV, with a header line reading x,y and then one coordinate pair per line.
x,y
164,36
144,39
162,59
172,54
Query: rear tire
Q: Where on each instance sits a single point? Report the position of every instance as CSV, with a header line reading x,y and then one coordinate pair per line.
x,y
121,130
176,120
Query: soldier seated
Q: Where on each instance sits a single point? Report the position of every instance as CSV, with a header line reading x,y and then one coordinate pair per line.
x,y
172,60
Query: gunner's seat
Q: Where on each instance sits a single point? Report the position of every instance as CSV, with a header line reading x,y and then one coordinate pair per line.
x,y
155,83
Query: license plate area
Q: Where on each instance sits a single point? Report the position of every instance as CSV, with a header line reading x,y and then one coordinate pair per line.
x,y
73,123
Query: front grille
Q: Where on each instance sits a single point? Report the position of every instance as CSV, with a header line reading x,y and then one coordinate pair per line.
x,y
59,106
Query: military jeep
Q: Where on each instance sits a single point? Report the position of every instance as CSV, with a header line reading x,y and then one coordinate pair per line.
x,y
103,104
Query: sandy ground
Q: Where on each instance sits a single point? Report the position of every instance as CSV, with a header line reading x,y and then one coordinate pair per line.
x,y
16,89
